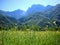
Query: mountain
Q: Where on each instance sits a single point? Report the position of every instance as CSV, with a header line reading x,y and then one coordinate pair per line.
x,y
37,8
35,19
36,15
20,13
42,17
7,22
56,18
53,11
16,14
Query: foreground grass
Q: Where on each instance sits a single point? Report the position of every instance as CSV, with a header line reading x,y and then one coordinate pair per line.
x,y
29,38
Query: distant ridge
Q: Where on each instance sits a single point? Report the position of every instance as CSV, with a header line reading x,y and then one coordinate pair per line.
x,y
16,14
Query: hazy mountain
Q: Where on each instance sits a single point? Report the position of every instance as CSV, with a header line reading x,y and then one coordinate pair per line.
x,y
37,15
37,8
19,13
7,22
16,14
52,12
41,17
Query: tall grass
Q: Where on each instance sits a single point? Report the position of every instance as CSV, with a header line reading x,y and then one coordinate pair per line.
x,y
29,38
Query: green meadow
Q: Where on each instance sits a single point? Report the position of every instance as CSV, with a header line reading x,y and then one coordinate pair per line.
x,y
29,38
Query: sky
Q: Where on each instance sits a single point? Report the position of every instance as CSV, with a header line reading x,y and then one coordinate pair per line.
x,y
11,5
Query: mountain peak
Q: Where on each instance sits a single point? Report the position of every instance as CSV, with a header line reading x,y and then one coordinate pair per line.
x,y
16,14
18,10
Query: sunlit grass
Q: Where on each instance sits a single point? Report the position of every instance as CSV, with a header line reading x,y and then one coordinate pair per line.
x,y
30,37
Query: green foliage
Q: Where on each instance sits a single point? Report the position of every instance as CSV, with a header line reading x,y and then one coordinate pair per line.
x,y
29,38
7,22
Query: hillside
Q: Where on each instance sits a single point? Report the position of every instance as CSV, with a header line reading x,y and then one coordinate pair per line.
x,y
42,18
16,14
7,22
36,15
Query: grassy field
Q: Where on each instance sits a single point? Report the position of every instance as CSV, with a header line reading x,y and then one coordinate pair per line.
x,y
29,38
